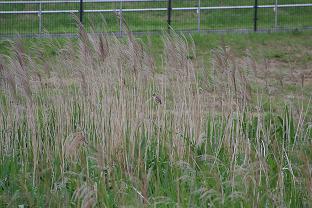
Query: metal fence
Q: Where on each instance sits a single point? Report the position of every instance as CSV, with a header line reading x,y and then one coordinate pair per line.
x,y
57,17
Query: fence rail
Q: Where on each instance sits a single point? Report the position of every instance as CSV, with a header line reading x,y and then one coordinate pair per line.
x,y
154,9
75,1
21,17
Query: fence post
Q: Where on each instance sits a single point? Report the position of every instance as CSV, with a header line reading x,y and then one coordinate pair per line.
x,y
256,16
81,11
40,18
120,18
169,13
198,16
276,13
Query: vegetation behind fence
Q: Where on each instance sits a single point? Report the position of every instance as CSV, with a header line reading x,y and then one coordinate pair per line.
x,y
50,16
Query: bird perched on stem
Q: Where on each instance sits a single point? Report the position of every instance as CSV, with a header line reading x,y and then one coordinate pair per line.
x,y
157,98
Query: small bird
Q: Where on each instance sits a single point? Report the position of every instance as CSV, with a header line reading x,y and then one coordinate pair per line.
x,y
157,98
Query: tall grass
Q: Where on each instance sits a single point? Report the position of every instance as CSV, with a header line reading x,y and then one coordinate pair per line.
x,y
83,130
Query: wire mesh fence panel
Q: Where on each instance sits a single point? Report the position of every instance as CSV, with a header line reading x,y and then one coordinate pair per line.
x,y
182,20
59,18
146,21
21,22
224,17
292,1
184,15
227,19
34,17
294,18
284,14
266,18
101,16
59,23
18,24
150,15
222,3
101,22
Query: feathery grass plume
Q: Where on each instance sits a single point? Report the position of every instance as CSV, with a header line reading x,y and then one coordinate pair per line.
x,y
7,80
85,196
84,39
73,143
103,47
21,69
231,81
16,74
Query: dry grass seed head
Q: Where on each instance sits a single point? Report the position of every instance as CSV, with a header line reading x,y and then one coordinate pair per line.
x,y
73,143
86,195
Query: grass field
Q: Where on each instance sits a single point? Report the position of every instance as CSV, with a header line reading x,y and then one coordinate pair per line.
x,y
155,20
159,121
